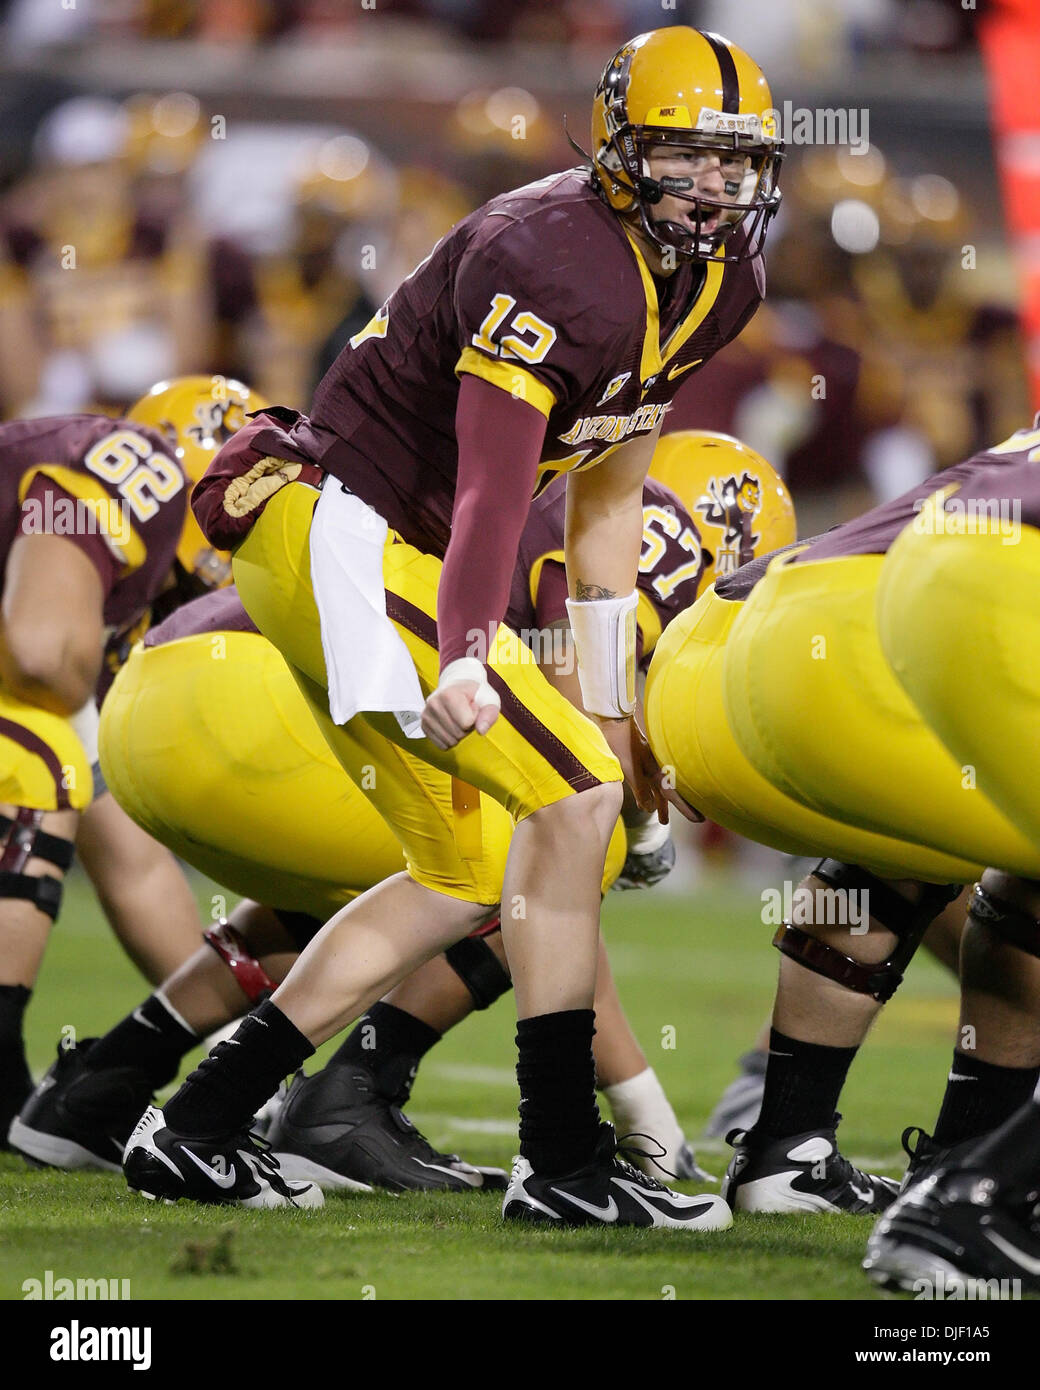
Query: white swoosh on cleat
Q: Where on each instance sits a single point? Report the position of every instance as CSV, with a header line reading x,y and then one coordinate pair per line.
x,y
864,1196
1027,1262
607,1213
474,1179
227,1180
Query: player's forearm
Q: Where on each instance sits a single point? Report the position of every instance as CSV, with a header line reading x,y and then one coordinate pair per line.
x,y
500,442
603,551
604,530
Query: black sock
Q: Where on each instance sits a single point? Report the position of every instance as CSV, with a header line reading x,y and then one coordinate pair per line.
x,y
1013,1150
15,1077
559,1120
389,1043
226,1090
150,1039
803,1083
979,1096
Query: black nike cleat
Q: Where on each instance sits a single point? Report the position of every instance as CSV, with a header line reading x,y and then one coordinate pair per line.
x,y
925,1156
335,1129
954,1226
78,1117
801,1173
234,1169
608,1192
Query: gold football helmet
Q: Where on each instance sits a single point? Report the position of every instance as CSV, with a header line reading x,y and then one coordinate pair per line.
x,y
740,503
198,414
696,90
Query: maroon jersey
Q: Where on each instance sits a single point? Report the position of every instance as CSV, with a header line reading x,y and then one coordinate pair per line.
x,y
111,487
541,292
671,564
220,611
874,532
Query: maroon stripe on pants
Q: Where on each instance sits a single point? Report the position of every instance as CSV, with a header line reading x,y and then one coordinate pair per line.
x,y
32,743
528,725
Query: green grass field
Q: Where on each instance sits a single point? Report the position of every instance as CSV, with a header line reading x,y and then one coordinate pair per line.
x,y
700,965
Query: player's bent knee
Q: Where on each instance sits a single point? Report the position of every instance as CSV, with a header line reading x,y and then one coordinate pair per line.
x,y
905,918
479,969
602,801
1006,907
22,839
594,808
231,947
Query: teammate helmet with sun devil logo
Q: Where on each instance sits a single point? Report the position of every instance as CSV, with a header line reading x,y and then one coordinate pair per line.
x,y
699,92
739,502
198,414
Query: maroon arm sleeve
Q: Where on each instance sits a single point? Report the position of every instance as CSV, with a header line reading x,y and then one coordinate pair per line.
x,y
550,602
500,443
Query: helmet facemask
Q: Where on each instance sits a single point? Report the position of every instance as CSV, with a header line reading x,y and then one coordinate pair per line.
x,y
753,201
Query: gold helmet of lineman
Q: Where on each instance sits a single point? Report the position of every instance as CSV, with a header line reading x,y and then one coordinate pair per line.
x,y
695,90
740,503
198,414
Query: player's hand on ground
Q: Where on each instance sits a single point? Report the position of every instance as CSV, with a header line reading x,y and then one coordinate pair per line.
x,y
459,706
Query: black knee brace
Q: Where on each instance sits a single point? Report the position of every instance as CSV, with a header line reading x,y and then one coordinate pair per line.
x,y
1011,924
908,921
21,839
479,969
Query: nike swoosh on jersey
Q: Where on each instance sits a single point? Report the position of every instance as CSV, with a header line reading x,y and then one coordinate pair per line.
x,y
607,1213
1024,1261
678,371
227,1180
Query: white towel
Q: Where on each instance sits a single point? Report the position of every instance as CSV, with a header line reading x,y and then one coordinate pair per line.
x,y
368,665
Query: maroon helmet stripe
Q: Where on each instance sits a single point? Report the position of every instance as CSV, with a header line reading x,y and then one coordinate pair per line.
x,y
514,712
727,71
26,739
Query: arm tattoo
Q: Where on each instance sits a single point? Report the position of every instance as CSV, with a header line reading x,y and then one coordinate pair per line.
x,y
591,593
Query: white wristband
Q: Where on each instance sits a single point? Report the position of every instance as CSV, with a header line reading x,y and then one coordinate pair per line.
x,y
468,668
605,642
646,837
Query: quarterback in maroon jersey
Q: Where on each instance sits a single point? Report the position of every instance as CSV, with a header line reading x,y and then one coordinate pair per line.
x,y
545,334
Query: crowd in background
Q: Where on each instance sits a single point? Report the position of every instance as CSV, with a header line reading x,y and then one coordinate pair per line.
x,y
147,234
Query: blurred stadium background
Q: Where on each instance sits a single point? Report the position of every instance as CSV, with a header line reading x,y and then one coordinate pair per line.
x,y
232,186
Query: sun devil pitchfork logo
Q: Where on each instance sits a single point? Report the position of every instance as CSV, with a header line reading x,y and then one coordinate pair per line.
x,y
732,504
